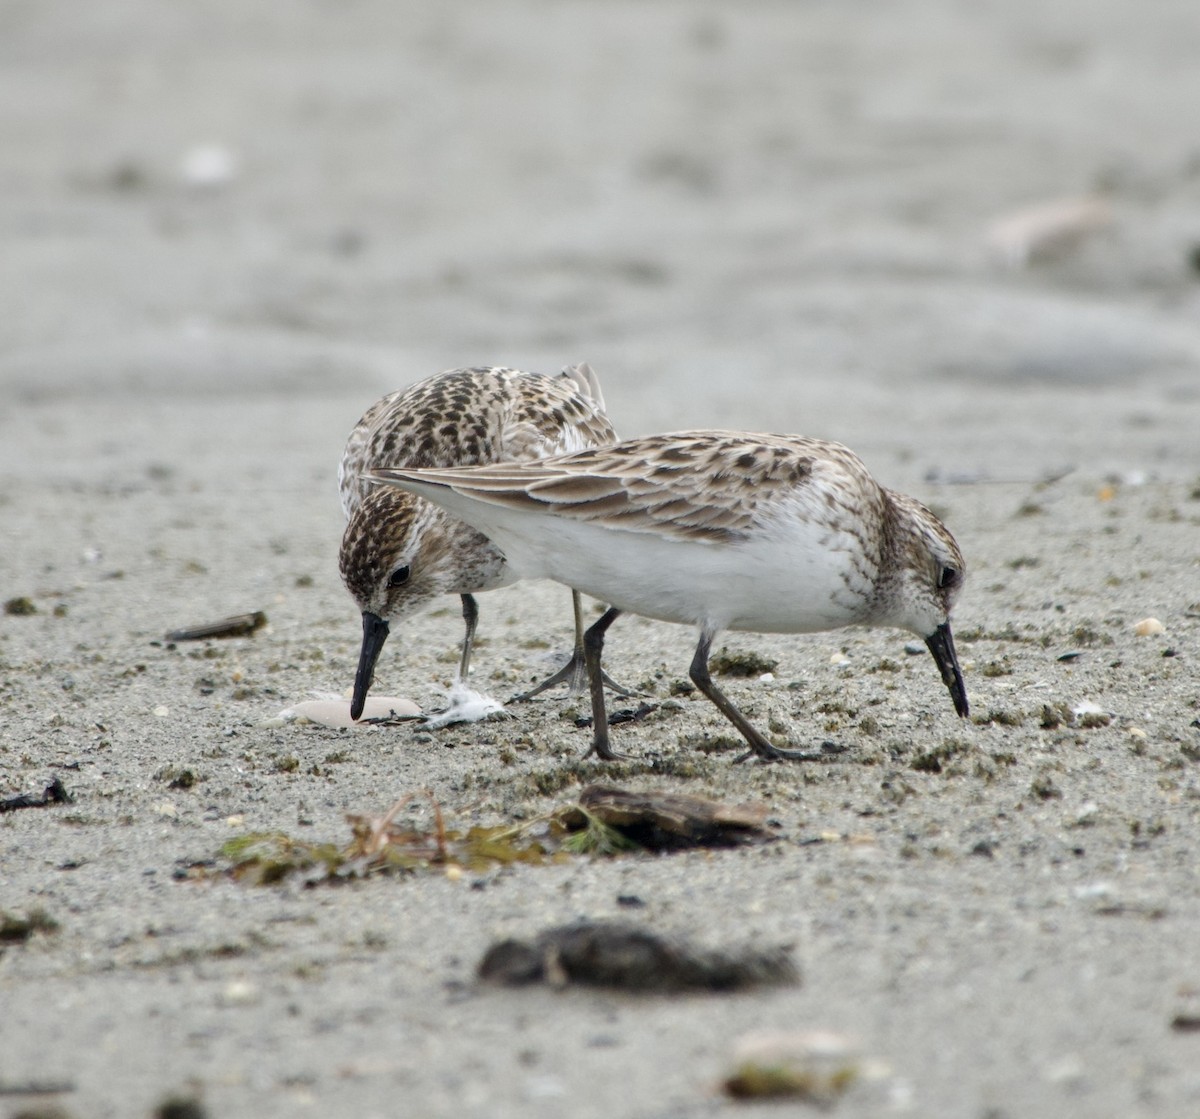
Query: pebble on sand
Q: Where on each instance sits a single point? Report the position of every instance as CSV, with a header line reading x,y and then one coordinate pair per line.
x,y
814,1065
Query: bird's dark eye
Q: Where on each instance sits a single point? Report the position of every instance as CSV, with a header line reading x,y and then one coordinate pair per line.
x,y
399,577
947,577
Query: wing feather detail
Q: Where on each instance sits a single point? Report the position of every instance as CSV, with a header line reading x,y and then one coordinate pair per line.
x,y
691,485
474,416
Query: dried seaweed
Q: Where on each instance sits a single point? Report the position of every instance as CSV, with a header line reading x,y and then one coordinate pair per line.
x,y
816,1066
605,821
759,1081
264,858
379,845
16,929
594,837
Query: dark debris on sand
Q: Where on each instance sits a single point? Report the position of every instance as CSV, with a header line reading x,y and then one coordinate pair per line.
x,y
663,821
630,958
55,793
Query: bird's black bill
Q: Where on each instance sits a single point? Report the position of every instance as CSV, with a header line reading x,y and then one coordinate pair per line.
x,y
941,645
375,631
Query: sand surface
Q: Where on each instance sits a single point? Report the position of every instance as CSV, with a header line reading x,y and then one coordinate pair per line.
x,y
226,229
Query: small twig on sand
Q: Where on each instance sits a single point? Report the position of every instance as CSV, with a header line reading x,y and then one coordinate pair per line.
x,y
55,793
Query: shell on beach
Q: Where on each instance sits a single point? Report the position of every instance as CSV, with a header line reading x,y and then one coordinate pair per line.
x,y
335,712
1047,229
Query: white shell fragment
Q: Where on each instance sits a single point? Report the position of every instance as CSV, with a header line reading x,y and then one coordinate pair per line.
x,y
1148,627
334,711
1046,229
329,710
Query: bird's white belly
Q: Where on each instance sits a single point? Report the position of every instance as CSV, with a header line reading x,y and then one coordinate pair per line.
x,y
801,580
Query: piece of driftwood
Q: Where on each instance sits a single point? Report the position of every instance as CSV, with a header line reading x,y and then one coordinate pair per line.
x,y
55,793
666,821
240,625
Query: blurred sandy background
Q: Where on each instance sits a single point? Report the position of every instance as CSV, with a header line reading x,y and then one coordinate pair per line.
x,y
962,239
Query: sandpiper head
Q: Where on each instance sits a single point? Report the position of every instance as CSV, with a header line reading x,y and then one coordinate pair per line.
x,y
395,557
928,575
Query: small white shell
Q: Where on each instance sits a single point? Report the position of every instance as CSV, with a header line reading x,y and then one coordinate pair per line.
x,y
1046,229
1148,627
336,712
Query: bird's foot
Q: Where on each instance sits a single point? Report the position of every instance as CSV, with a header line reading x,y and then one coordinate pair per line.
x,y
765,752
606,753
574,675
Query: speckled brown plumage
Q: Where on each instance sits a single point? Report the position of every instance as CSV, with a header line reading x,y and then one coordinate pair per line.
x,y
465,417
398,551
723,530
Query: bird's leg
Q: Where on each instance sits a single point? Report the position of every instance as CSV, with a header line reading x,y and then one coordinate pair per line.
x,y
470,611
575,672
593,647
758,744
578,662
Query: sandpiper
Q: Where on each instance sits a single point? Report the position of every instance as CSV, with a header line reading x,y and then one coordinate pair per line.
x,y
398,551
721,530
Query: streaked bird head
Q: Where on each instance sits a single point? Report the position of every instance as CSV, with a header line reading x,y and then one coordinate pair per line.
x,y
926,582
396,555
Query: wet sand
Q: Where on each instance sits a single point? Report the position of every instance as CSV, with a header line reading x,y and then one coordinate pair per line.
x,y
226,233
